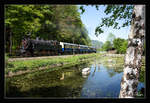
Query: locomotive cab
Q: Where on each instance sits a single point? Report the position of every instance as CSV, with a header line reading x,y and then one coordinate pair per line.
x,y
23,45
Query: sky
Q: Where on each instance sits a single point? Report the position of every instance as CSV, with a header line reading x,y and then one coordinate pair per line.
x,y
92,17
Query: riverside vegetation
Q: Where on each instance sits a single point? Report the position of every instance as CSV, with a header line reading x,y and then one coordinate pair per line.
x,y
67,81
17,66
23,66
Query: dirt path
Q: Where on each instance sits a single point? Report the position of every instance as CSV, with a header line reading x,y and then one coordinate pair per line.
x,y
43,57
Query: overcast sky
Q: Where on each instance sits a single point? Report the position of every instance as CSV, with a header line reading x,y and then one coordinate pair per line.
x,y
92,17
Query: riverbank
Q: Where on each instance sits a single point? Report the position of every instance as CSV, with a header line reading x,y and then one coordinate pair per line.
x,y
117,60
18,67
67,81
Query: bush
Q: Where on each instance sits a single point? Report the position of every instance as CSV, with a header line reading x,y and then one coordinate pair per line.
x,y
120,45
107,46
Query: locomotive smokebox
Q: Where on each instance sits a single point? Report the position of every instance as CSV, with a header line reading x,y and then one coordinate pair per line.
x,y
22,51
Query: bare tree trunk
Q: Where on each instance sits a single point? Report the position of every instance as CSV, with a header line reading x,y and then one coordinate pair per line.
x,y
10,48
133,57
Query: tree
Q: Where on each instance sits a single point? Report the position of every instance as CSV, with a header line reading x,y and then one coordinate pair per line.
x,y
107,45
144,49
69,25
49,22
123,47
120,45
20,20
134,15
135,49
111,37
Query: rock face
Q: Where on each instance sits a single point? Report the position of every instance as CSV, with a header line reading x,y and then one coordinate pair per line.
x,y
85,71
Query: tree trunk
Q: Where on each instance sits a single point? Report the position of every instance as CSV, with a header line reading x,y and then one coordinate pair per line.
x,y
133,57
10,48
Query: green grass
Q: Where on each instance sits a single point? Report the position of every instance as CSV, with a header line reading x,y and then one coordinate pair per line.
x,y
22,65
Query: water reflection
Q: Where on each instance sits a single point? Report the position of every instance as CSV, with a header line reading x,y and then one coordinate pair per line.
x,y
102,84
102,81
99,66
62,78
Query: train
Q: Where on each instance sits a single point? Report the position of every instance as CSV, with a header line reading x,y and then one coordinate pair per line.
x,y
40,47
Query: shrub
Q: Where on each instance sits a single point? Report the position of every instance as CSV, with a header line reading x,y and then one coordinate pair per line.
x,y
120,45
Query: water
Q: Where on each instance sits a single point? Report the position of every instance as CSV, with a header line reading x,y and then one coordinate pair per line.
x,y
102,82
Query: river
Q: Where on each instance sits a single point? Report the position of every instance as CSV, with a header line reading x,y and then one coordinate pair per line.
x,y
102,82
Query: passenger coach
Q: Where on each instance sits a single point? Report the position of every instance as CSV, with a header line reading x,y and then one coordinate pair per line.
x,y
52,47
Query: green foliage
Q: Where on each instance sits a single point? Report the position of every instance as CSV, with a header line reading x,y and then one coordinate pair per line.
x,y
120,45
18,65
123,47
115,14
144,51
111,37
107,45
50,22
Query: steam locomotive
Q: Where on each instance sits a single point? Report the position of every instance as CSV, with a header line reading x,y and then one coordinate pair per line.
x,y
30,47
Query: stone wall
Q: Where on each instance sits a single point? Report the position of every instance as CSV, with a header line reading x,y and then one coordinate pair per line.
x,y
114,55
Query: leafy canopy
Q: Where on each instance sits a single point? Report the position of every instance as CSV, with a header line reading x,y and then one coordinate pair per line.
x,y
107,46
49,22
120,45
111,37
115,14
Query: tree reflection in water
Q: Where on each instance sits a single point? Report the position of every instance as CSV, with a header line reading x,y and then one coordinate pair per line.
x,y
103,81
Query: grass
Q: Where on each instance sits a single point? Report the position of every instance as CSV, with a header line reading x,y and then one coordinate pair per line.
x,y
16,66
34,64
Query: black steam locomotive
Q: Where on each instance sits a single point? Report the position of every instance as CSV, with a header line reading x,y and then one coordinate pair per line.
x,y
38,47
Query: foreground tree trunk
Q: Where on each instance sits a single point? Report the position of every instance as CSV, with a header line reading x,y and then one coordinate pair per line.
x,y
133,57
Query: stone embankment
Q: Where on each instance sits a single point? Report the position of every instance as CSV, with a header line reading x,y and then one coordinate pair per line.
x,y
114,55
117,55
